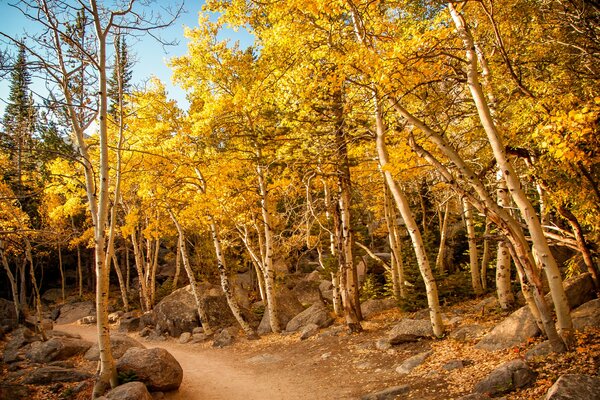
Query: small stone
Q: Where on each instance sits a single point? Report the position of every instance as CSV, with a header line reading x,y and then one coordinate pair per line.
x,y
308,331
387,394
383,344
411,363
185,337
453,364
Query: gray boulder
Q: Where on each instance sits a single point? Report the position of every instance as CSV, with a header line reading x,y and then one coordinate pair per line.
x,y
52,295
513,331
57,348
130,323
12,391
119,344
579,289
387,394
128,391
70,313
412,362
467,332
575,387
185,337
156,368
178,313
288,306
308,331
316,314
512,375
375,306
50,374
20,338
539,350
223,339
410,330
307,292
587,314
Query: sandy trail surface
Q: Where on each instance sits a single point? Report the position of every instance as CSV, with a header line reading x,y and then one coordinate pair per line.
x,y
226,374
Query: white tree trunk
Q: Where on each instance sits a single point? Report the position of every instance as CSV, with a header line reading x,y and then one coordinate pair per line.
x,y
540,244
435,314
473,253
506,297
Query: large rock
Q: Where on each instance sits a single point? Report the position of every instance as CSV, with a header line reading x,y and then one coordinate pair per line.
x,y
128,391
510,376
587,315
178,313
410,330
46,375
156,368
8,314
513,331
375,306
119,344
316,314
575,387
579,289
70,313
412,362
57,348
20,337
52,295
288,306
307,291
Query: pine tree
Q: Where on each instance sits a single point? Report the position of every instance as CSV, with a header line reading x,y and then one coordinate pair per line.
x,y
119,84
17,136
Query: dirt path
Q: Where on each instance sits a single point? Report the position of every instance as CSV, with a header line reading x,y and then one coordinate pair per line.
x,y
227,374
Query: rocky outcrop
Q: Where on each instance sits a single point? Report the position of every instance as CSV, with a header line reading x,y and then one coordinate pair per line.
x,y
156,368
512,375
288,306
574,387
52,374
410,330
316,314
513,331
119,344
128,391
579,290
70,313
57,348
307,291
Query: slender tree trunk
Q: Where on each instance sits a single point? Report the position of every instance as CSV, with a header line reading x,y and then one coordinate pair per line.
x,y
23,286
440,262
177,267
540,244
473,253
412,227
128,268
79,273
503,288
397,266
122,287
62,273
337,300
269,270
144,298
485,256
36,290
225,285
12,280
190,274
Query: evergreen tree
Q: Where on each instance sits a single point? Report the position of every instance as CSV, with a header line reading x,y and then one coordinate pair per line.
x,y
17,135
119,84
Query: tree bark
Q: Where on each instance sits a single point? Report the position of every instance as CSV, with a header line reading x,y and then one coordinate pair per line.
x,y
473,253
402,204
540,244
12,280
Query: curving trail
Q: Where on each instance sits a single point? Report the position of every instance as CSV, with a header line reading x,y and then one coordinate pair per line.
x,y
223,374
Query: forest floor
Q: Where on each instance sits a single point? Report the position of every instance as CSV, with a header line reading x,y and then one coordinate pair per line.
x,y
337,365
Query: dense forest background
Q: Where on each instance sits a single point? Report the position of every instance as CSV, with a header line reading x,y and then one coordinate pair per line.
x,y
402,149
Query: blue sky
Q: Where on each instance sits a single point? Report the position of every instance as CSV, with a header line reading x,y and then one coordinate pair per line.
x,y
150,56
